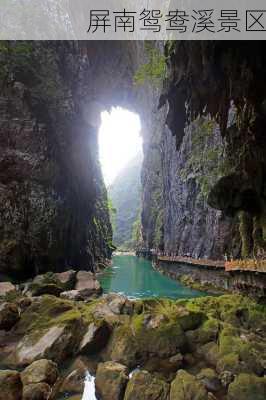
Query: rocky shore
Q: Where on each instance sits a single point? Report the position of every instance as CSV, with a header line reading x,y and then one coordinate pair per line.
x,y
58,327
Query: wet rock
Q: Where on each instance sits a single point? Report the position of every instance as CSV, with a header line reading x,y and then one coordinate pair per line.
x,y
111,380
185,386
210,380
95,338
6,288
40,371
9,315
247,387
37,391
144,386
10,385
74,382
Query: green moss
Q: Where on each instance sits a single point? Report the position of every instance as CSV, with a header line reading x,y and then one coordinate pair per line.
x,y
247,387
51,311
229,362
154,70
206,162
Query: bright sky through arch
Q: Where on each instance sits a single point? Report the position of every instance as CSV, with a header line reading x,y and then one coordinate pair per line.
x,y
119,141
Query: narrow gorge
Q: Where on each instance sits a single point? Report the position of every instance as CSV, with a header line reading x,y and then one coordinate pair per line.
x,y
186,318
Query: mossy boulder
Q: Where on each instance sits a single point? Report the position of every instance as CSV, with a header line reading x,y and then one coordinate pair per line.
x,y
40,371
51,328
210,380
247,387
9,315
37,391
45,284
145,386
10,385
111,380
186,386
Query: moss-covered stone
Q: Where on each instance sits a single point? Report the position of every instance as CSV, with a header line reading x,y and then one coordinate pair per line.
x,y
10,385
111,380
185,386
247,387
144,386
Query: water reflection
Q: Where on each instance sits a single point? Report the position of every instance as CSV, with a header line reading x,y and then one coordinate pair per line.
x,y
135,277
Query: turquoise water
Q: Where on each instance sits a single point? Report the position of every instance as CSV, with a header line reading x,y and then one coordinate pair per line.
x,y
136,278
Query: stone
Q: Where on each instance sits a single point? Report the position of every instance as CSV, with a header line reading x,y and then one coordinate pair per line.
x,y
78,295
226,377
247,387
9,315
185,386
111,380
40,371
37,391
44,284
56,344
10,385
95,338
145,386
67,278
74,382
86,280
119,304
6,288
210,380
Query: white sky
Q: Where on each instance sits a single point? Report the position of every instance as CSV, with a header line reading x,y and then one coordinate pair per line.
x,y
119,141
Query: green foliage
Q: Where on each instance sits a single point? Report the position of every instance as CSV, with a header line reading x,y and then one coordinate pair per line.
x,y
136,233
206,163
154,70
14,57
124,195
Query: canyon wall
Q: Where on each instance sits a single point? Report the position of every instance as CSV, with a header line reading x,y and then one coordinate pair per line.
x,y
54,211
212,188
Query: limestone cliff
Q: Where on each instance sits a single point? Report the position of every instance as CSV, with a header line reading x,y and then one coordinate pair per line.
x,y
53,201
212,187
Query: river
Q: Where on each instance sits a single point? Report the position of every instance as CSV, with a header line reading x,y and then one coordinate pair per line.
x,y
136,278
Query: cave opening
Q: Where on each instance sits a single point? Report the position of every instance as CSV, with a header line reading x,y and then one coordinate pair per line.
x,y
120,153
119,141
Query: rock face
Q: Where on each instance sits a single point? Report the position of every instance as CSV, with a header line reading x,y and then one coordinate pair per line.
x,y
238,187
177,218
53,200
